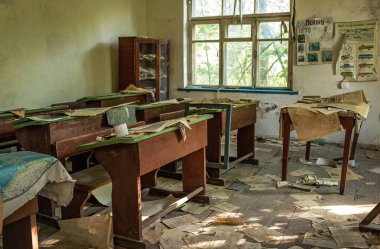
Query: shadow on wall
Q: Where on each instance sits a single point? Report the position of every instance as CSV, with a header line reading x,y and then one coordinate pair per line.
x,y
98,64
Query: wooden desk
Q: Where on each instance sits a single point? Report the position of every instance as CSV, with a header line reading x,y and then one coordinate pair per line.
x,y
150,113
240,117
20,228
129,161
113,99
59,139
347,119
7,132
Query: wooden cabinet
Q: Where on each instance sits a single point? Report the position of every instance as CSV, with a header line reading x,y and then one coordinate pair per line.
x,y
144,63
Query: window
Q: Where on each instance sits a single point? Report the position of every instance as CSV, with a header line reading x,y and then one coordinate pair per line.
x,y
226,52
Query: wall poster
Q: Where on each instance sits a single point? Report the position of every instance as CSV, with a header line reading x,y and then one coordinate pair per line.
x,y
357,58
314,41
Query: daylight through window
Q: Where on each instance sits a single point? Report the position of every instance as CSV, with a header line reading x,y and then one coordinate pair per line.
x,y
226,52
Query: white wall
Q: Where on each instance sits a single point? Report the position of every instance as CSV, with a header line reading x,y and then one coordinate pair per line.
x,y
59,50
308,80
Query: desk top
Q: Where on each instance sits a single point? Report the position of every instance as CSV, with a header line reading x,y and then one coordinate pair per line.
x,y
108,96
30,112
160,105
139,138
213,108
24,122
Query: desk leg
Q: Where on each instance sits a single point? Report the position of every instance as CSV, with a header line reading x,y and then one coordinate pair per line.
x,y
354,145
246,141
21,234
126,194
285,144
349,125
308,147
75,208
194,171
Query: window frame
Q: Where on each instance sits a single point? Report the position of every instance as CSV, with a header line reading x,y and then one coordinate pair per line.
x,y
224,21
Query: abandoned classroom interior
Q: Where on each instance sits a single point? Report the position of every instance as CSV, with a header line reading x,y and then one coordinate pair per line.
x,y
172,124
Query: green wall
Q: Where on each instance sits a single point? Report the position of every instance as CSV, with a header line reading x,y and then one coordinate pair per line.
x,y
59,50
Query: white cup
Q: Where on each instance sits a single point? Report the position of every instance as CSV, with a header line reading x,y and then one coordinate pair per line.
x,y
121,130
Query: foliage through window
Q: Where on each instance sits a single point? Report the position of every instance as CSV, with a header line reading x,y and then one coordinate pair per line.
x,y
226,52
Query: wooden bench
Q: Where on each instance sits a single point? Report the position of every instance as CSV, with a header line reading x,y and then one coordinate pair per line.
x,y
87,181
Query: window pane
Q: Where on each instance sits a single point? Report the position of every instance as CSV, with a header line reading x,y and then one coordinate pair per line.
x,y
207,8
239,31
206,32
273,6
272,64
248,7
239,63
272,30
206,63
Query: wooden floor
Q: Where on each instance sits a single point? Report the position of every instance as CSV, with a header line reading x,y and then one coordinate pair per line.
x,y
275,208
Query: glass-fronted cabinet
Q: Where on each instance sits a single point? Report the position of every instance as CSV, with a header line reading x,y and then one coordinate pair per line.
x,y
144,63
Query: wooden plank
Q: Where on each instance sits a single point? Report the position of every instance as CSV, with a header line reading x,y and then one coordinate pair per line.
x,y
91,178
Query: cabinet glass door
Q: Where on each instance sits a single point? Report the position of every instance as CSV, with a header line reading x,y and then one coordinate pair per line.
x,y
148,68
164,74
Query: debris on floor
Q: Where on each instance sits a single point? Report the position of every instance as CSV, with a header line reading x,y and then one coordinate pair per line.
x,y
373,154
195,208
325,162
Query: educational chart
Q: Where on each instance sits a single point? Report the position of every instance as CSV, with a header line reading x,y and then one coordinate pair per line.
x,y
357,58
314,41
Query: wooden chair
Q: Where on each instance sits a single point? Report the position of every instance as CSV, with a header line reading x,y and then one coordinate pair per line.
x,y
87,181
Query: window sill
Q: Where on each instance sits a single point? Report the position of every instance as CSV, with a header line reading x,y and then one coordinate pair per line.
x,y
237,90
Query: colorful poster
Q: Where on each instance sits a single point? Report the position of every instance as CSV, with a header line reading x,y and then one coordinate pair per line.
x,y
357,58
314,41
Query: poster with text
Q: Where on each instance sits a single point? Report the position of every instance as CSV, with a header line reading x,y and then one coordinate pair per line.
x,y
357,58
314,41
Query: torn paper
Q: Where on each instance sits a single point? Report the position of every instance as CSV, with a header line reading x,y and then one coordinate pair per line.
x,y
180,220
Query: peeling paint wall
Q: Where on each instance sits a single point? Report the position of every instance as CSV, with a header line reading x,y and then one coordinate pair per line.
x,y
60,50
308,80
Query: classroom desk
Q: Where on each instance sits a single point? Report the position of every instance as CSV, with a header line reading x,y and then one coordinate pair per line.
x,y
151,113
20,228
113,99
228,117
59,139
129,160
7,132
347,120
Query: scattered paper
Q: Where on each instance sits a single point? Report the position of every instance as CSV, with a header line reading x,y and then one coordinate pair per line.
x,y
306,196
305,162
306,204
373,154
283,184
237,186
262,234
370,183
351,176
153,233
225,207
348,237
195,208
325,162
313,240
171,239
150,208
258,182
273,177
302,172
180,220
263,149
87,232
375,170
